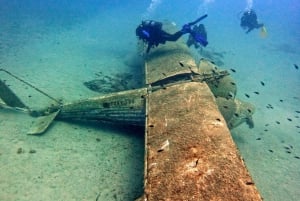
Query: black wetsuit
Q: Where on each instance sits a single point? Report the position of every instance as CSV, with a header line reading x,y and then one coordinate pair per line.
x,y
249,20
151,32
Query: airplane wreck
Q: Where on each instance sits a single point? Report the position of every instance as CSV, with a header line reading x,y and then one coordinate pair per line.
x,y
187,110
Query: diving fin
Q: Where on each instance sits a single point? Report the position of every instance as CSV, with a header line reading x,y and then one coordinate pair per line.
x,y
263,32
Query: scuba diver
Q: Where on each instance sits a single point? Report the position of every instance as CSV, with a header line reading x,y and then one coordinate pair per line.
x,y
200,30
249,20
151,32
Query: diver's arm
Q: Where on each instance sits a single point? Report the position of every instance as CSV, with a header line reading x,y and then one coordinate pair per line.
x,y
175,36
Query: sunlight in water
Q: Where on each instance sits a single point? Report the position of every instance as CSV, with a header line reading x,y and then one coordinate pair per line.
x,y
249,4
151,8
203,8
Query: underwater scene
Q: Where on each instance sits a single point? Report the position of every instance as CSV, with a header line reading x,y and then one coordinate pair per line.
x,y
63,52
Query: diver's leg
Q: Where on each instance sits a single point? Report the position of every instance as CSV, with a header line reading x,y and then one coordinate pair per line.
x,y
149,47
249,29
259,25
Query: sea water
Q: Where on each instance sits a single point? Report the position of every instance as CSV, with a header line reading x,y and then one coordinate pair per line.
x,y
59,45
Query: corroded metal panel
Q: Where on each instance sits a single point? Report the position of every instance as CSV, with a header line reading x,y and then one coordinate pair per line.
x,y
190,154
125,107
167,61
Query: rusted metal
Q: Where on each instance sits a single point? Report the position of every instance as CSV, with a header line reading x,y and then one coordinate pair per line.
x,y
125,107
190,154
42,123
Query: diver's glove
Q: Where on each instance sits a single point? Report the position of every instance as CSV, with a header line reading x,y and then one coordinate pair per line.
x,y
186,29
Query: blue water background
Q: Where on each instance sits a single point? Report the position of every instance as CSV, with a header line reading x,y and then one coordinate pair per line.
x,y
103,33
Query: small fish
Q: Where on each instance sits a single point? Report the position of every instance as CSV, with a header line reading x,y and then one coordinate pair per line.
x,y
298,111
297,157
232,70
232,83
249,110
225,106
262,83
277,122
164,146
289,119
249,183
236,114
230,94
256,92
247,95
258,138
181,64
288,152
296,66
270,150
281,100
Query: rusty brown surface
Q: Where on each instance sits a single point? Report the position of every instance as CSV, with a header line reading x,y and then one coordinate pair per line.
x,y
167,61
190,154
201,161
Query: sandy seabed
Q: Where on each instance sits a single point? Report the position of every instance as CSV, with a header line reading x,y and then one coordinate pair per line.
x,y
72,160
89,161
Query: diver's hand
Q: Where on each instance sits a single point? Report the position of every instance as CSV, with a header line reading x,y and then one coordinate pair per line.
x,y
186,29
